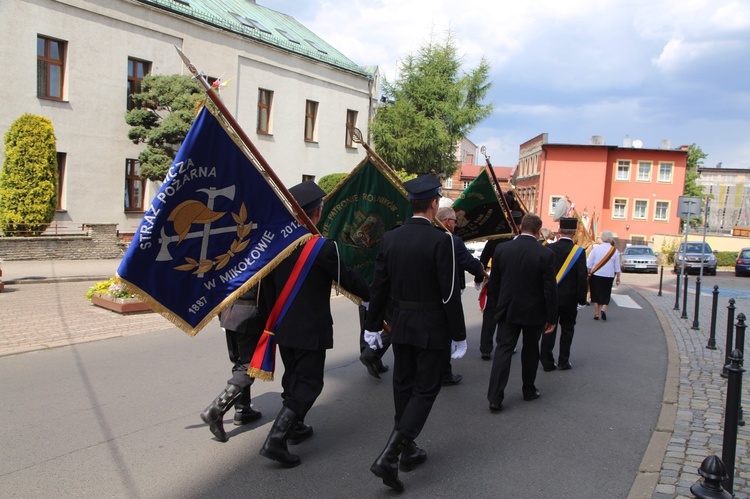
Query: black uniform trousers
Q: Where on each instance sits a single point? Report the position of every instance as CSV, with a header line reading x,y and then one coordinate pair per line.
x,y
241,347
566,319
417,379
302,381
489,325
507,338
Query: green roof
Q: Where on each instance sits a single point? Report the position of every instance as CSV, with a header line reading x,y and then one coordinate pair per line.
x,y
262,25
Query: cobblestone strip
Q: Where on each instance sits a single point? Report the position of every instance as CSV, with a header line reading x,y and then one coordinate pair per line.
x,y
698,427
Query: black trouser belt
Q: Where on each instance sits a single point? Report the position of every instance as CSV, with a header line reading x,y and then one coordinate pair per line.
x,y
417,305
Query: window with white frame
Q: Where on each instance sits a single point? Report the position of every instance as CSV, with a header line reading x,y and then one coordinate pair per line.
x,y
620,208
640,209
644,171
661,211
466,184
623,170
665,172
553,200
449,183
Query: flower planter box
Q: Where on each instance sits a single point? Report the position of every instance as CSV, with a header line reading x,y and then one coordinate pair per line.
x,y
120,305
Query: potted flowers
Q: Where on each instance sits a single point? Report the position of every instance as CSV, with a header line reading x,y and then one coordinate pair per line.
x,y
112,295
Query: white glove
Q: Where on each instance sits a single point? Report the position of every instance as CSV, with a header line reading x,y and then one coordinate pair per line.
x,y
580,307
458,349
366,304
373,339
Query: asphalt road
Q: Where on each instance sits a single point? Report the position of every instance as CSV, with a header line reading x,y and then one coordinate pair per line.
x,y
120,418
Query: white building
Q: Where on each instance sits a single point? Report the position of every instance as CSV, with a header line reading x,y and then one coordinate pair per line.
x,y
76,61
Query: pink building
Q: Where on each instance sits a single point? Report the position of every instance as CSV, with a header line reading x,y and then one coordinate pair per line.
x,y
630,190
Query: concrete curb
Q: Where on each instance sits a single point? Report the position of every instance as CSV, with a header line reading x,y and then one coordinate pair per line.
x,y
647,477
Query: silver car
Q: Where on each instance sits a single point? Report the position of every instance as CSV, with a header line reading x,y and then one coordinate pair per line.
x,y
695,256
639,259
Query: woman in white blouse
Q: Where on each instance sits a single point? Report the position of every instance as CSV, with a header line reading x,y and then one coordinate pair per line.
x,y
604,269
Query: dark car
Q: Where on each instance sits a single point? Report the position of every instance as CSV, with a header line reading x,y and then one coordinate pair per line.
x,y
742,265
695,256
639,259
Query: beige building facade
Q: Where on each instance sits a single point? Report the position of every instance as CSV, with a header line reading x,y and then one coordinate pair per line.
x,y
75,61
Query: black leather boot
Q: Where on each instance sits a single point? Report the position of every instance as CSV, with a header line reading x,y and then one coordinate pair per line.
x,y
275,446
386,465
214,413
300,433
411,457
243,409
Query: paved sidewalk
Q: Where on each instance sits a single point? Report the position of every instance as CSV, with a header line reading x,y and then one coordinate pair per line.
x,y
691,426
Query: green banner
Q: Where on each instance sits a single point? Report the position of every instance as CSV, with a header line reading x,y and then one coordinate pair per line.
x,y
478,212
359,210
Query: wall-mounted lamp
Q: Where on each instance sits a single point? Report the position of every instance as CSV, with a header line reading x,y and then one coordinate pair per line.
x,y
627,227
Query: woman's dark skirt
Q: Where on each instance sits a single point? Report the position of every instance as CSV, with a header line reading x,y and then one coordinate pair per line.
x,y
601,289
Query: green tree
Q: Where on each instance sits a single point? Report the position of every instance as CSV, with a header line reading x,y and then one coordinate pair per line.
x,y
328,182
429,108
695,159
164,110
28,180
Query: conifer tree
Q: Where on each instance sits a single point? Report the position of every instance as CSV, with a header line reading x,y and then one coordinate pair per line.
x,y
28,180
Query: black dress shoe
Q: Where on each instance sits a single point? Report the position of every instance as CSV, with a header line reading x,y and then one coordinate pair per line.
x,y
604,316
565,367
486,356
496,407
382,368
534,396
453,379
368,358
549,368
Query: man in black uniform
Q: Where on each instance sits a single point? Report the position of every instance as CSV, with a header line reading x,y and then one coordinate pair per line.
x,y
572,287
243,326
306,330
522,285
465,263
416,270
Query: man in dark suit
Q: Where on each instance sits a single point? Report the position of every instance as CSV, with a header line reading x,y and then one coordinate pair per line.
x,y
306,330
415,269
522,285
572,287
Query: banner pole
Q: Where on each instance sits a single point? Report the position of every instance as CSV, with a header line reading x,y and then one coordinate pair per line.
x,y
213,95
501,197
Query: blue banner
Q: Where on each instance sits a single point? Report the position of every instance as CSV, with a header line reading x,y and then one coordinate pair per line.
x,y
213,230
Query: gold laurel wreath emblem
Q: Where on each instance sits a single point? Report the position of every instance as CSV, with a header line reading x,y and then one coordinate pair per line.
x,y
240,243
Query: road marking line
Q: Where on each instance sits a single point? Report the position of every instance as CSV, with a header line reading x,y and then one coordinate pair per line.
x,y
625,301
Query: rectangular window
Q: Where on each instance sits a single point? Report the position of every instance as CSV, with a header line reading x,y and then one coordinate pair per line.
x,y
449,183
61,158
640,240
316,46
553,203
661,211
621,206
311,118
466,184
265,99
469,159
288,36
134,186
623,170
640,209
644,171
137,69
351,123
665,172
306,178
50,67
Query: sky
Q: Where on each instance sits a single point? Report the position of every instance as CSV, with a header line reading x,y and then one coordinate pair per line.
x,y
650,70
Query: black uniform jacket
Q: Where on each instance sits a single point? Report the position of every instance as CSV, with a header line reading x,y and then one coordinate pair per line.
x,y
573,288
522,282
415,264
308,323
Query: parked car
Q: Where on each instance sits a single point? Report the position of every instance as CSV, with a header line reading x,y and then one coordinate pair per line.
x,y
692,255
742,265
639,259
